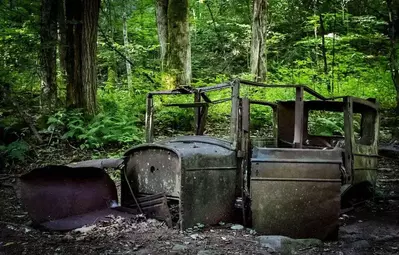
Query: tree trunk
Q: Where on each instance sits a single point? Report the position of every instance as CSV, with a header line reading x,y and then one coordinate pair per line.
x,y
48,52
162,24
62,45
258,42
82,21
323,47
393,61
179,50
126,44
315,35
73,37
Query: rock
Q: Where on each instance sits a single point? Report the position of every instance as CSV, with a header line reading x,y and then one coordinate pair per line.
x,y
206,252
286,245
179,247
143,252
194,236
361,244
84,229
237,227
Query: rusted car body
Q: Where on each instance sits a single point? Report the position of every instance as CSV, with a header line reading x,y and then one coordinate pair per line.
x,y
292,187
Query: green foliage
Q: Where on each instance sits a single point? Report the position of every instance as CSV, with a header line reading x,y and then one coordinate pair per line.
x,y
117,124
19,44
15,151
326,123
357,52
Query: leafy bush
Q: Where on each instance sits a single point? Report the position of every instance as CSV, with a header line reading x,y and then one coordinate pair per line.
x,y
15,151
326,123
117,123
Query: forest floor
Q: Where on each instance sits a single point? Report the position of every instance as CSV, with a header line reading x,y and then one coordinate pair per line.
x,y
372,228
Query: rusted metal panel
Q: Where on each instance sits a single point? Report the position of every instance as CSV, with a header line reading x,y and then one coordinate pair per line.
x,y
149,122
296,192
98,163
154,169
197,111
200,172
209,172
286,123
208,196
62,198
305,88
58,192
235,96
153,206
244,161
298,130
361,153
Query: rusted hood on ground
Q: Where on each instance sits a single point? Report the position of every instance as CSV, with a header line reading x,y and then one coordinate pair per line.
x,y
64,198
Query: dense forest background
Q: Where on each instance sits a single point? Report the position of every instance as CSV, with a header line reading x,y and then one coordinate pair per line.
x,y
62,82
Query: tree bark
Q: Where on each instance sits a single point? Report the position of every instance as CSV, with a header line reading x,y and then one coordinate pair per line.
x,y
126,44
62,44
258,41
392,34
48,51
82,20
91,11
323,47
73,37
162,25
315,35
179,51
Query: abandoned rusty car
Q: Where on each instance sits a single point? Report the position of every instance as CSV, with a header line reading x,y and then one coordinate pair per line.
x,y
294,184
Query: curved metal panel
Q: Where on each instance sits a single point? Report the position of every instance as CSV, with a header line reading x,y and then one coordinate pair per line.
x,y
58,192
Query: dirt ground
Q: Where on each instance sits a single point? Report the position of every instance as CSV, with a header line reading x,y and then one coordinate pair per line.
x,y
371,228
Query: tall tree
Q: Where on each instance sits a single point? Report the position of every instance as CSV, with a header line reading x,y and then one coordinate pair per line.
x,y
179,48
126,44
62,38
323,47
48,42
82,20
162,25
393,23
258,41
174,38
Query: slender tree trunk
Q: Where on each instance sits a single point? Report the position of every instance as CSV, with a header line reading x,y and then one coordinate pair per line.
x,y
393,61
48,52
179,49
74,41
258,42
82,21
126,44
62,46
323,48
162,24
316,59
323,43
